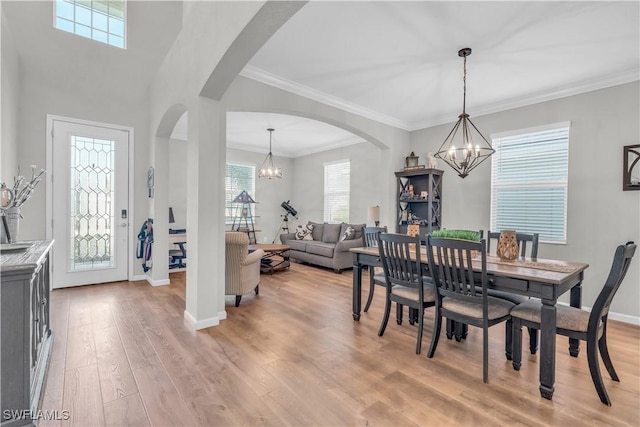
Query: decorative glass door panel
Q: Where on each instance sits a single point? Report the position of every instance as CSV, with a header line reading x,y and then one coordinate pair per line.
x,y
92,216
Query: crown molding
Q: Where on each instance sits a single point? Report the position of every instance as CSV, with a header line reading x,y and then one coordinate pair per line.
x,y
292,154
535,98
265,77
616,79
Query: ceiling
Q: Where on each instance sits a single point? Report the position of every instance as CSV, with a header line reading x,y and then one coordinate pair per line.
x,y
398,63
394,62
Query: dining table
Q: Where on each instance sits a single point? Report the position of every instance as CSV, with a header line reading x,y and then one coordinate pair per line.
x,y
546,279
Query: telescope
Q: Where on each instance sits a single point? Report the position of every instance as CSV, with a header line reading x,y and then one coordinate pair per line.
x,y
290,210
284,227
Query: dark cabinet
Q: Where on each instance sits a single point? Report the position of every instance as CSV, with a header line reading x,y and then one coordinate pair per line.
x,y
419,200
26,335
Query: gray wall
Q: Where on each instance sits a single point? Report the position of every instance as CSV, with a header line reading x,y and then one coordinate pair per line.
x,y
270,193
366,182
600,215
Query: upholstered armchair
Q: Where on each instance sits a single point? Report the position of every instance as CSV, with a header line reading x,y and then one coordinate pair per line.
x,y
242,269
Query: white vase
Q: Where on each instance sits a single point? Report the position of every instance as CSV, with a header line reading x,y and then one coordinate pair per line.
x,y
12,216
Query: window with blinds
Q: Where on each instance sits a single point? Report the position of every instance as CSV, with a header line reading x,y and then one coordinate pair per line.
x,y
337,179
100,20
238,178
529,174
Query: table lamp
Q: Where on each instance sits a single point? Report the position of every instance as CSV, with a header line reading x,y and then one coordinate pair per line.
x,y
374,215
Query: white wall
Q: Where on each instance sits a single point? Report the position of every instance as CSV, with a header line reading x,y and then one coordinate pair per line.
x,y
9,86
600,215
178,182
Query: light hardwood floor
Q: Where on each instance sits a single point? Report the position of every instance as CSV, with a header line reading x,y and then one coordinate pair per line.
x,y
123,355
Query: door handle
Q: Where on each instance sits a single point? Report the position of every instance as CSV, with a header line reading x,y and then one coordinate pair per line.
x,y
124,225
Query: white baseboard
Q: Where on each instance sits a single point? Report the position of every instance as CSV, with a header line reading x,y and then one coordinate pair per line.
x,y
162,282
138,277
205,323
634,320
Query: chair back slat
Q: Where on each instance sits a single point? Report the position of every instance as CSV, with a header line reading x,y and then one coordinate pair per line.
x,y
396,255
371,235
450,263
521,238
621,260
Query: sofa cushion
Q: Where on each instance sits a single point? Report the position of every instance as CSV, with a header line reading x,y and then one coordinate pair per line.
x,y
321,248
303,232
318,229
298,245
331,233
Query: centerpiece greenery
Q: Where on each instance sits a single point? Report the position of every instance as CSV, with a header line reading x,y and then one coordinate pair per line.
x,y
473,236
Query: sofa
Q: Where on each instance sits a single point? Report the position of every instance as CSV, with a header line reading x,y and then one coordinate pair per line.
x,y
325,244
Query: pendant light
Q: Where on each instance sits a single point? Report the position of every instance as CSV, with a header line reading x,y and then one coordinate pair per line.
x,y
460,150
268,170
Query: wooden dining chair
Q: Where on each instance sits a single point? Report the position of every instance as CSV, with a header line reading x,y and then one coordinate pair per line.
x,y
375,279
523,240
580,324
460,297
404,281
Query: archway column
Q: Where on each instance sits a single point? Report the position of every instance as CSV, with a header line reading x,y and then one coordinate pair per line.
x,y
159,274
206,154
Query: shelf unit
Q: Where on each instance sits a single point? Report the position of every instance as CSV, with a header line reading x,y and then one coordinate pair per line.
x,y
243,218
427,212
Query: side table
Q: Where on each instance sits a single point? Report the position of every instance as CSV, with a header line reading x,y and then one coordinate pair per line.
x,y
276,257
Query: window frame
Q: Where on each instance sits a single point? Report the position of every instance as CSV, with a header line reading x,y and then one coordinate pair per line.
x,y
498,141
228,205
109,36
326,211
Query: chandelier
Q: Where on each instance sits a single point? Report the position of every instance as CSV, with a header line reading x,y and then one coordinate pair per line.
x,y
267,170
459,149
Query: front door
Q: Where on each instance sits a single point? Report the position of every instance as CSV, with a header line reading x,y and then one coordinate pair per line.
x,y
90,204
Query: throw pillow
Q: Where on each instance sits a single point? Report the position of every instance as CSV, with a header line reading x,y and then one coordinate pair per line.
x,y
303,232
349,234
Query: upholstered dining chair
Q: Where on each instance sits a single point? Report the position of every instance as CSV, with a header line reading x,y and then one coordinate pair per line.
x,y
580,324
405,284
375,278
242,269
460,297
522,239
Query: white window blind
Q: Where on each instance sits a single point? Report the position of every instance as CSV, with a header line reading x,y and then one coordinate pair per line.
x,y
100,20
337,179
529,174
238,178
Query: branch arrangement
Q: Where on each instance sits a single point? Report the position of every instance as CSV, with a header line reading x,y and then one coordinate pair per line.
x,y
22,194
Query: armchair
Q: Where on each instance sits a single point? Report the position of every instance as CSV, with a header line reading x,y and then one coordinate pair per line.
x,y
242,269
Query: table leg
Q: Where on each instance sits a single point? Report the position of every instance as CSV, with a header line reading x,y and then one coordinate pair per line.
x,y
575,300
357,289
547,348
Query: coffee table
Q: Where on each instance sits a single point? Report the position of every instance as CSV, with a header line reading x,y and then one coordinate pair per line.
x,y
276,257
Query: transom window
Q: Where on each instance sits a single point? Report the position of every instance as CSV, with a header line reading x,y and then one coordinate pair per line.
x,y
100,20
529,176
238,178
337,179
